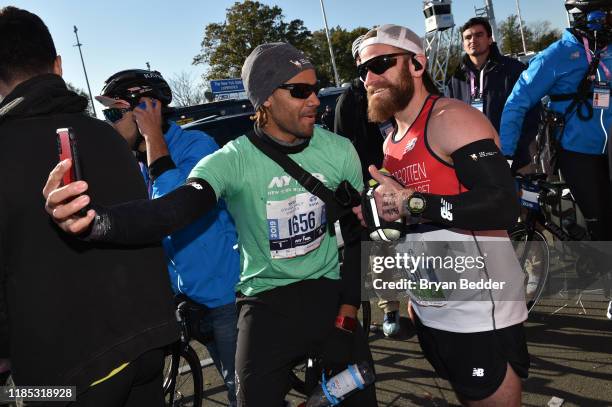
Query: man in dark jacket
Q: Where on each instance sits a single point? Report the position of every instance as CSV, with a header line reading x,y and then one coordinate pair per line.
x,y
351,121
83,315
485,79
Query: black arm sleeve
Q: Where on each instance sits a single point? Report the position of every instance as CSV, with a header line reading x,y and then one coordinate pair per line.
x,y
491,202
149,220
350,272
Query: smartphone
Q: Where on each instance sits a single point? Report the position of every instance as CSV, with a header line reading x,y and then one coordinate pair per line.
x,y
67,148
143,105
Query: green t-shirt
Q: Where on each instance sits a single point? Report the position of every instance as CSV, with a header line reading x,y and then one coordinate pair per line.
x,y
282,230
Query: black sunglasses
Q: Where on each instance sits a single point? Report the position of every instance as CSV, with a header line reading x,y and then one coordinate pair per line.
x,y
379,64
300,90
114,114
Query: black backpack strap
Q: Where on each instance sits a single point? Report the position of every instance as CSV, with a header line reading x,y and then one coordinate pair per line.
x,y
580,99
564,97
338,203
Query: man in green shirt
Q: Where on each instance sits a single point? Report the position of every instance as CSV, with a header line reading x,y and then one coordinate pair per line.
x,y
292,300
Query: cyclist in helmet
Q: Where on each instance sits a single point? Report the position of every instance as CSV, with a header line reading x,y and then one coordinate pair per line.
x,y
576,72
137,102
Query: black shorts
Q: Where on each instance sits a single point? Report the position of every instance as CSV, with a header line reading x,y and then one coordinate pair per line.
x,y
475,363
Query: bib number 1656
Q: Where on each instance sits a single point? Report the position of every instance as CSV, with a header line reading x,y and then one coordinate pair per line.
x,y
301,223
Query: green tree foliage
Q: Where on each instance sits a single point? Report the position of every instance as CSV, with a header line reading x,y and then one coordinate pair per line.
x,y
538,35
342,41
81,92
226,45
510,32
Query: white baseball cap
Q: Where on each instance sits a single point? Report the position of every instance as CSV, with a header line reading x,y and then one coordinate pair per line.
x,y
355,46
394,35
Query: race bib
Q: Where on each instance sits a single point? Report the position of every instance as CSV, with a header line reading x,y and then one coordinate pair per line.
x,y
296,226
423,292
601,95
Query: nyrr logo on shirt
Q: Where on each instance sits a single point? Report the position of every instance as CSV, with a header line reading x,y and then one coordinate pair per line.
x,y
285,180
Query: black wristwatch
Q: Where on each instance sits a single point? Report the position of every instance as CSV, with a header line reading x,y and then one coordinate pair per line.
x,y
416,204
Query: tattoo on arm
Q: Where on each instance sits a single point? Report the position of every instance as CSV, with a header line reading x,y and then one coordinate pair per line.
x,y
389,204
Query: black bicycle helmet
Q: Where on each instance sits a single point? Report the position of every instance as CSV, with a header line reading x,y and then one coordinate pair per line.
x,y
132,84
591,18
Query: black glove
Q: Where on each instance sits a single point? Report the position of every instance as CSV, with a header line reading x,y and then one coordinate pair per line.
x,y
337,351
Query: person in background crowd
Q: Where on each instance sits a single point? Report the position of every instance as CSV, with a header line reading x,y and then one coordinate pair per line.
x,y
137,102
485,78
351,121
575,72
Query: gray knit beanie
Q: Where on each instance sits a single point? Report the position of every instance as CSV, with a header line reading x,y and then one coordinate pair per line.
x,y
269,66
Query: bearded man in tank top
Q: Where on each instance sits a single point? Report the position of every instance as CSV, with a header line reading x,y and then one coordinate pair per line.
x,y
450,181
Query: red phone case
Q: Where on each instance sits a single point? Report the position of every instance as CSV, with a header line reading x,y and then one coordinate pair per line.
x,y
64,150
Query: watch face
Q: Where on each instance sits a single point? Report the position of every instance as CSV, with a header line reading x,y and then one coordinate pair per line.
x,y
416,204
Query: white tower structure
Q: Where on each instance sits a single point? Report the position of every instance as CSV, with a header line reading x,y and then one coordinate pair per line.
x,y
440,38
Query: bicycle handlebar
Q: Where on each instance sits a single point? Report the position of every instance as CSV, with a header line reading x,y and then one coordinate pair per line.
x,y
540,181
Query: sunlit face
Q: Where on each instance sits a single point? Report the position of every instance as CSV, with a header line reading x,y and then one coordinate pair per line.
x,y
476,40
291,117
390,91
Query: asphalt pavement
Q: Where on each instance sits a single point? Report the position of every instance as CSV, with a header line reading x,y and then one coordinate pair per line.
x,y
570,343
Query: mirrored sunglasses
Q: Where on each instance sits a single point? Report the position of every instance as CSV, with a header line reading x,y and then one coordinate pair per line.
x,y
379,64
114,114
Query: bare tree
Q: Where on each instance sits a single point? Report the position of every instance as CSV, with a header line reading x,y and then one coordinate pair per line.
x,y
543,35
185,90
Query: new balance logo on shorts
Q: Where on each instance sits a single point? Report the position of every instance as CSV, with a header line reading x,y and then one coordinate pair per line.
x,y
478,372
445,210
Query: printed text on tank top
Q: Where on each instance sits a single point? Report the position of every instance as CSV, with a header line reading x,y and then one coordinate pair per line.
x,y
413,163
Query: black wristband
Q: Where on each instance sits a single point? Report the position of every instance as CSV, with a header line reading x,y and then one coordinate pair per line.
x,y
161,165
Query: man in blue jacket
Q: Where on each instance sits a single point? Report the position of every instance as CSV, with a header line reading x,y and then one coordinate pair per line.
x,y
484,79
576,73
203,261
557,71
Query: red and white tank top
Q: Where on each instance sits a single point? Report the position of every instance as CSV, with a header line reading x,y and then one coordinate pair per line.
x,y
412,162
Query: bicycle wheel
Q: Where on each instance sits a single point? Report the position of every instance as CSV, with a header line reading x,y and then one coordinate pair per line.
x,y
534,257
304,376
182,377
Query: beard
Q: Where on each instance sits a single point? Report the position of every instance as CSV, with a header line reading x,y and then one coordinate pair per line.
x,y
398,96
290,124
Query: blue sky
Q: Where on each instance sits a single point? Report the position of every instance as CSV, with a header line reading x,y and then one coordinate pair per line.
x,y
119,35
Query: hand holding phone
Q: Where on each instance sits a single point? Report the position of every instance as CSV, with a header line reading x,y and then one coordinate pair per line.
x,y
148,117
67,148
